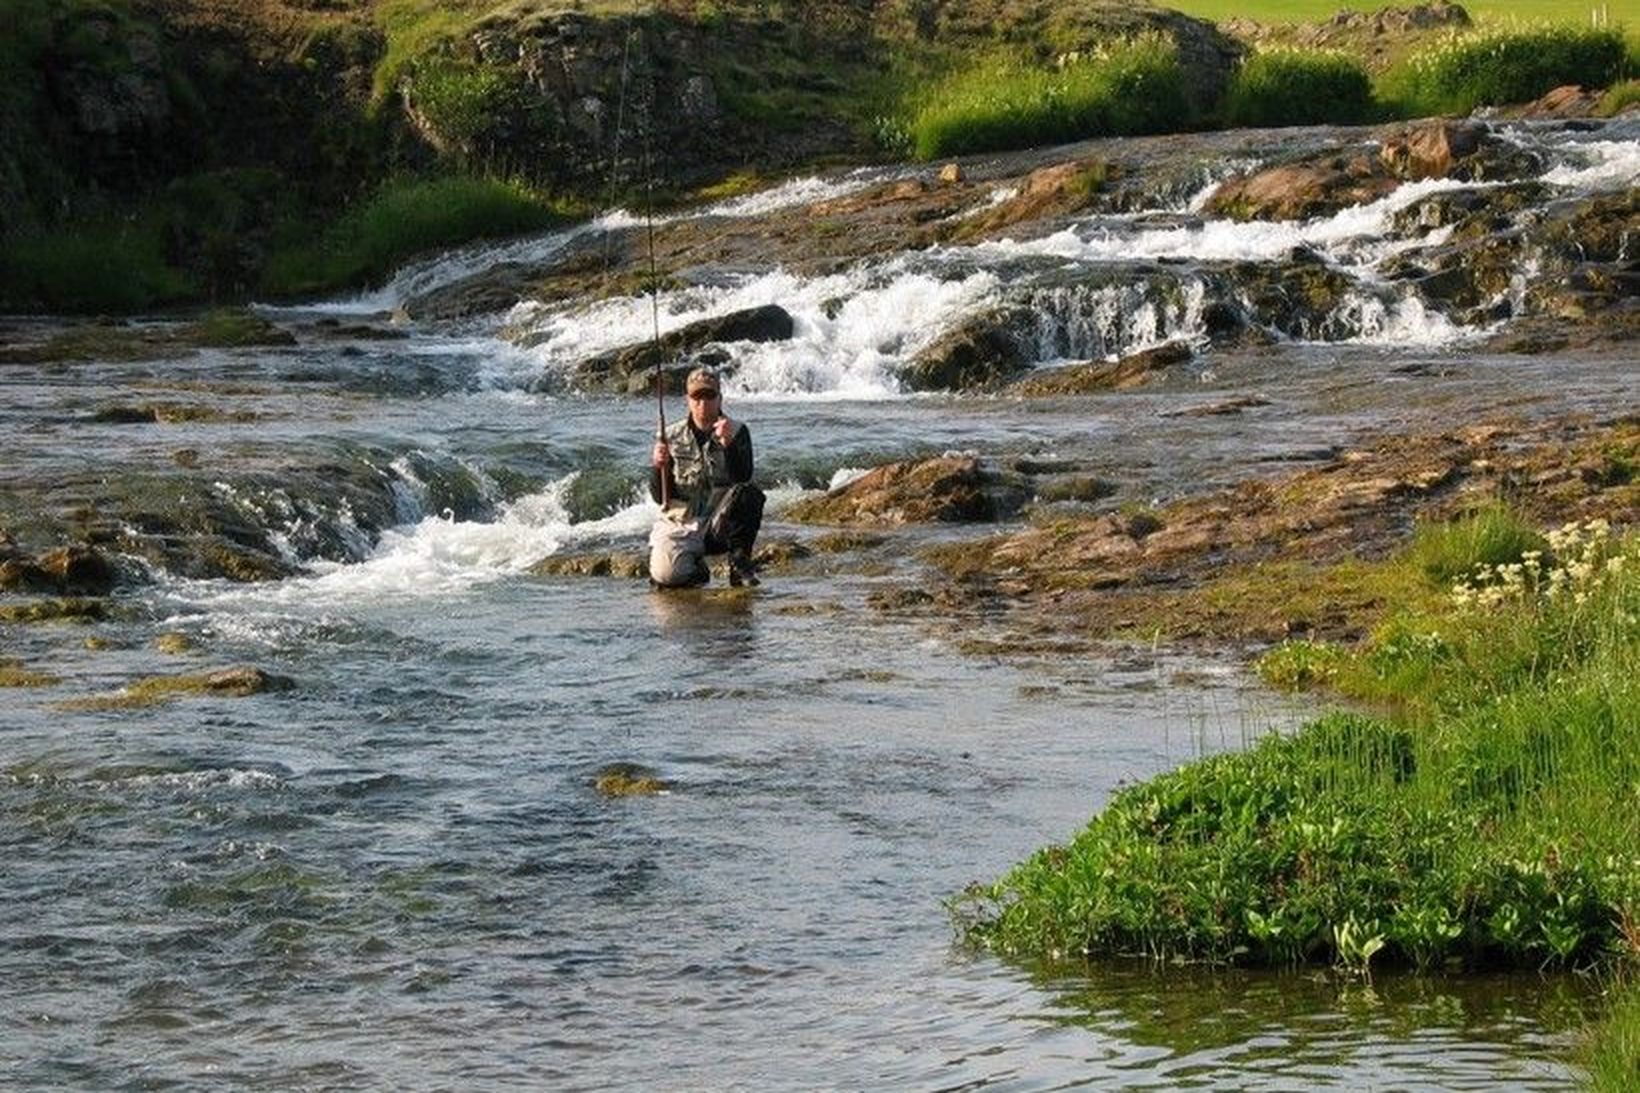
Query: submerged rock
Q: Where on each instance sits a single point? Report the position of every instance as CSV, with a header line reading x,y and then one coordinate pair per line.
x,y
70,610
615,563
1133,370
237,682
949,489
13,673
629,780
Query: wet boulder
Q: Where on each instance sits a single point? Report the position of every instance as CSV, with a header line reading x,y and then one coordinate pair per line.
x,y
1567,101
632,367
1298,297
74,570
1133,370
979,353
1299,191
947,489
1452,148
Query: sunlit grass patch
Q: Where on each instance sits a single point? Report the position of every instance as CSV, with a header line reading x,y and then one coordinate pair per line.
x,y
1502,64
1619,96
1298,87
1127,88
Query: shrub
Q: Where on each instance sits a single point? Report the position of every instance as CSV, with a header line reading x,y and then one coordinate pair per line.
x,y
1128,88
1492,67
1298,87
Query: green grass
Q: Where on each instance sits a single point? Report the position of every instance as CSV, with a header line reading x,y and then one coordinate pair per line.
x,y
1485,816
1310,11
1456,73
1619,96
1129,88
106,265
1613,1053
1297,87
404,219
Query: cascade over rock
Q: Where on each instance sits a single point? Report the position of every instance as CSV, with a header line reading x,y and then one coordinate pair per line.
x,y
631,369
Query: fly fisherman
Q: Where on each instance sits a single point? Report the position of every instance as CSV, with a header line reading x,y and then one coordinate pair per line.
x,y
702,476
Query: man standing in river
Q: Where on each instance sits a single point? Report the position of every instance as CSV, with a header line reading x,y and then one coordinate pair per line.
x,y
703,467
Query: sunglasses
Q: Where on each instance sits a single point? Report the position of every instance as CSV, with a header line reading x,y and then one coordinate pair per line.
x,y
703,396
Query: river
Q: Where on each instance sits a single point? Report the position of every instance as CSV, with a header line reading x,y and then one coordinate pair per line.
x,y
398,873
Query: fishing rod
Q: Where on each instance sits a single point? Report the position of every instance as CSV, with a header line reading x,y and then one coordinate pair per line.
x,y
649,238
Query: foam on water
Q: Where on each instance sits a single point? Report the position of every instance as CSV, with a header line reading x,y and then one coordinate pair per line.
x,y
798,191
850,329
1604,165
439,556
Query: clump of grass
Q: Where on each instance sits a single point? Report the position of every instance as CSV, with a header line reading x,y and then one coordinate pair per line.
x,y
1127,88
1490,822
1612,1056
1298,87
1502,65
1618,97
106,265
404,219
1490,536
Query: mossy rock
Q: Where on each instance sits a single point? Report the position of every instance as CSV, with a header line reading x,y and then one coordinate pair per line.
x,y
174,643
14,674
949,489
596,564
237,682
66,610
629,780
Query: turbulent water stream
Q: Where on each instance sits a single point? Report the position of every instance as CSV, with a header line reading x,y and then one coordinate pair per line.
x,y
398,874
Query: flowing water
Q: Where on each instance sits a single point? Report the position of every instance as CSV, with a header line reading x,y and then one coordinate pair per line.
x,y
398,873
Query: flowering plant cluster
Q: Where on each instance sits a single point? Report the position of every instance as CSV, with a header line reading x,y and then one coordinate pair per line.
x,y
1581,557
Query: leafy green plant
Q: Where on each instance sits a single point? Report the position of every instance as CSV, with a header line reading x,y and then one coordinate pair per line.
x,y
1298,87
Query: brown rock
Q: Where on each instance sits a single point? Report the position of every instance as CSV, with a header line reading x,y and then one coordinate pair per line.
x,y
78,570
1567,101
951,173
1298,191
1133,370
949,489
1431,149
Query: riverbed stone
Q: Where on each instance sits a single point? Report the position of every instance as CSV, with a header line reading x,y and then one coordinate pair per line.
x,y
632,368
947,489
1133,370
981,352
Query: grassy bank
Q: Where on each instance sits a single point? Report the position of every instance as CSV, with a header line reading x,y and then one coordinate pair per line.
x,y
1481,812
